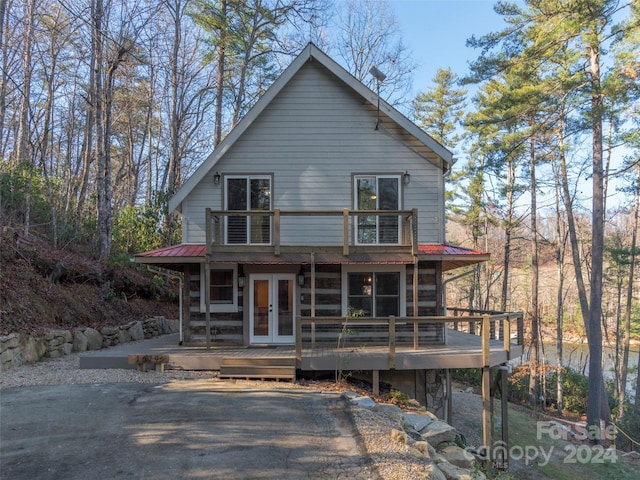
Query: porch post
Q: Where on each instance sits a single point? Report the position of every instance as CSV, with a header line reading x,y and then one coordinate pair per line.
x,y
207,278
207,298
313,300
345,232
416,327
185,333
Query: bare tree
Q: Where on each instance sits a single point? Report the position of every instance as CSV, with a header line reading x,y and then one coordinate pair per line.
x,y
369,35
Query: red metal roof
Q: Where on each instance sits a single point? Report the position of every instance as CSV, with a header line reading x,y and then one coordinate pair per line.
x,y
182,250
451,256
445,249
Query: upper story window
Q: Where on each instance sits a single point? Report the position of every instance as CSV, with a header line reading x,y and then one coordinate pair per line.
x,y
377,192
248,193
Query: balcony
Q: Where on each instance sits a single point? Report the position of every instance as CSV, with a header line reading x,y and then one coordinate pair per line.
x,y
300,231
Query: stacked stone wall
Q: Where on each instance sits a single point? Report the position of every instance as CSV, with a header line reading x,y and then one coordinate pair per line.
x,y
18,349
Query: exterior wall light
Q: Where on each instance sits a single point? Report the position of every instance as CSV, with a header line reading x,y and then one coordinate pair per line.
x,y
216,179
406,178
301,278
241,281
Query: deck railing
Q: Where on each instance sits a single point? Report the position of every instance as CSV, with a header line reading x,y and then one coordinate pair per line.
x,y
348,229
489,326
471,326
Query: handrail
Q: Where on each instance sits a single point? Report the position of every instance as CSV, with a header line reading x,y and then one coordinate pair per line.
x,y
408,227
485,321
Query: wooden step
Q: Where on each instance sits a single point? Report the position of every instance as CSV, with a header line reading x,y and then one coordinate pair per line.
x,y
260,361
262,368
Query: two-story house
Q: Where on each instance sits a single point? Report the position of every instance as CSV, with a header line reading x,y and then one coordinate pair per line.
x,y
324,200
314,175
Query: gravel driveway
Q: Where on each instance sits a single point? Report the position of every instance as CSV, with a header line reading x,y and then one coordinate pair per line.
x,y
194,429
23,400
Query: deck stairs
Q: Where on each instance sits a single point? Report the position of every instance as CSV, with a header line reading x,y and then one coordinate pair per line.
x,y
259,368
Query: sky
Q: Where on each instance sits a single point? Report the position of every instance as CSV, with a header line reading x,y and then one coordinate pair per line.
x,y
436,31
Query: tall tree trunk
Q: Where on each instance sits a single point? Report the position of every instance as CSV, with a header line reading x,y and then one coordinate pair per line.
x,y
97,45
560,254
508,229
624,363
595,405
3,74
88,150
221,70
174,127
44,142
105,212
534,359
23,154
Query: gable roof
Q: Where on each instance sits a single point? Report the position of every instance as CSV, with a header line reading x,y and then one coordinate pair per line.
x,y
310,53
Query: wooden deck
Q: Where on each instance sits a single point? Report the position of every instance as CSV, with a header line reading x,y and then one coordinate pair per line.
x,y
462,350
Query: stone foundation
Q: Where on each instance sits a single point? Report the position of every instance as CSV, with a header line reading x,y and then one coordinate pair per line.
x,y
18,349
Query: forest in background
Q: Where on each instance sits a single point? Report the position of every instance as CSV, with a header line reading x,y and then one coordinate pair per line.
x,y
107,106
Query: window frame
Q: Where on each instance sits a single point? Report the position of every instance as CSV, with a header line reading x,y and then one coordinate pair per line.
x,y
219,307
248,178
373,269
356,221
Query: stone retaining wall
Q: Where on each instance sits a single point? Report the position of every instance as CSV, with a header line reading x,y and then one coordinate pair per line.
x,y
17,348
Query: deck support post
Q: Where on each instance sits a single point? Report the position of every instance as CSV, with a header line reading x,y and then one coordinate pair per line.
x,y
487,426
449,397
375,382
392,342
504,384
487,423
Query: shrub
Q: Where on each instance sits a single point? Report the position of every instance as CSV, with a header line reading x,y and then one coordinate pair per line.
x,y
575,386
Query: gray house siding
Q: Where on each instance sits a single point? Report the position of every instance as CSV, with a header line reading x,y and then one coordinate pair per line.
x,y
312,138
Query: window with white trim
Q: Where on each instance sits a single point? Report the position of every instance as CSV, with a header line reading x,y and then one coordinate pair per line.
x,y
379,291
248,193
223,288
377,192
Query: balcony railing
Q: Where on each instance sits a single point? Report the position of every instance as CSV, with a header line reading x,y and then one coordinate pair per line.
x,y
273,230
312,332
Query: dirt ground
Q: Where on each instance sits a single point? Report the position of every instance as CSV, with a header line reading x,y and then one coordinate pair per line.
x,y
467,419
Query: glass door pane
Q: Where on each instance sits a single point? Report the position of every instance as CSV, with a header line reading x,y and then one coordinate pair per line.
x,y
388,200
285,308
237,200
261,309
366,191
260,200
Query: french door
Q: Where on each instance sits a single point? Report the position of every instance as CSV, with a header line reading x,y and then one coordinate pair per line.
x,y
272,308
